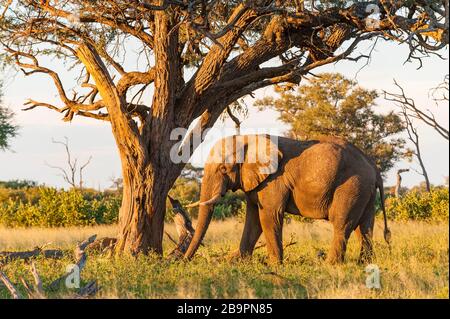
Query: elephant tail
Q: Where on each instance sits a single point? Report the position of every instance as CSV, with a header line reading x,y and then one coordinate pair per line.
x,y
387,232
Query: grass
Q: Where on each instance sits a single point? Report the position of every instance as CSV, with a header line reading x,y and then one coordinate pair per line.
x,y
417,266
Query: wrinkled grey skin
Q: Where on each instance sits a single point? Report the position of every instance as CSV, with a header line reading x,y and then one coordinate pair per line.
x,y
321,179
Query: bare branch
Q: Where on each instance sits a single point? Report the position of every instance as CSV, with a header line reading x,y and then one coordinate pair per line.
x,y
10,286
80,260
409,106
236,121
414,138
69,174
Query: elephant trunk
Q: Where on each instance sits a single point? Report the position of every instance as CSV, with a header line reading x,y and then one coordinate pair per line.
x,y
204,216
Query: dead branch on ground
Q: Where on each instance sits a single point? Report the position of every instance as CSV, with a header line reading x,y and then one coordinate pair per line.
x,y
36,291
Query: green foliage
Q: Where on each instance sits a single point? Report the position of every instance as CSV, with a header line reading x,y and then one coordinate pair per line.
x,y
8,129
49,207
337,106
18,184
232,204
420,205
188,191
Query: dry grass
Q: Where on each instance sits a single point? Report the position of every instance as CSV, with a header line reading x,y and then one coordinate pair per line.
x,y
417,266
28,238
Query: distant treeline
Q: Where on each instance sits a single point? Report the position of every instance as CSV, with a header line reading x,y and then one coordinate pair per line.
x,y
25,204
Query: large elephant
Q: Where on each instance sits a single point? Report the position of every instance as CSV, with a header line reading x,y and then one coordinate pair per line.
x,y
327,178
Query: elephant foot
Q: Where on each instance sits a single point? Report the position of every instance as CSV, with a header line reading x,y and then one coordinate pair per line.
x,y
237,256
275,260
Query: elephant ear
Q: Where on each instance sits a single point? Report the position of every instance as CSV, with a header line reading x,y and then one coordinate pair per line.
x,y
261,158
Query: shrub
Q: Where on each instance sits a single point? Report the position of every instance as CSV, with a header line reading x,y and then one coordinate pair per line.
x,y
18,184
188,191
232,204
49,207
420,205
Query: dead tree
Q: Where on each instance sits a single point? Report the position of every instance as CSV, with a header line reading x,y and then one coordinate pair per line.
x,y
70,173
8,256
184,229
37,291
398,185
413,136
440,93
198,57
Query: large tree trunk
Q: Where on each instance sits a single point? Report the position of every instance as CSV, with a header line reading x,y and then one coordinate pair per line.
x,y
141,219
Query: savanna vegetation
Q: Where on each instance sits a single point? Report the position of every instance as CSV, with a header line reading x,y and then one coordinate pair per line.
x,y
205,55
197,60
25,204
416,267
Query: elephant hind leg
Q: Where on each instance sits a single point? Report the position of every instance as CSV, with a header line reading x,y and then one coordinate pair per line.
x,y
252,230
348,205
365,232
338,247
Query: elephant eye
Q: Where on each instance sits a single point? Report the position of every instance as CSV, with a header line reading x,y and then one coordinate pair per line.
x,y
223,169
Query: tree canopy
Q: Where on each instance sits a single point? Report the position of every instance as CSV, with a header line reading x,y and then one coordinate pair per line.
x,y
7,128
334,105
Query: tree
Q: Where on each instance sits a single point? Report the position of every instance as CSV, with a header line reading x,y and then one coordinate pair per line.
x,y
398,184
439,94
413,136
8,129
334,105
69,174
198,56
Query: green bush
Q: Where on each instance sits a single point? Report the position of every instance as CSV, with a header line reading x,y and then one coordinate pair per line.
x,y
188,191
18,184
420,205
49,207
232,204
27,206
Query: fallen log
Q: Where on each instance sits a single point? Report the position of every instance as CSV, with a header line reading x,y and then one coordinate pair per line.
x,y
36,291
102,245
8,256
10,286
80,261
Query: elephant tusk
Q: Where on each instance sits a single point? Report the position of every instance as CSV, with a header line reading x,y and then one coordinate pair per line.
x,y
192,205
212,201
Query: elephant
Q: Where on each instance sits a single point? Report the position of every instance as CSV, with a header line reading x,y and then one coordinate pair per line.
x,y
326,178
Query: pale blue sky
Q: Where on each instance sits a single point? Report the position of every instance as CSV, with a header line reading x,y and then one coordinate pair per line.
x,y
88,137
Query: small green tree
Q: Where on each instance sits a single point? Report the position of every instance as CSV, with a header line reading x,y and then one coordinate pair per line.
x,y
334,105
7,129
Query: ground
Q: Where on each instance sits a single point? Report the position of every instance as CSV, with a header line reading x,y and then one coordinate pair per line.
x,y
416,267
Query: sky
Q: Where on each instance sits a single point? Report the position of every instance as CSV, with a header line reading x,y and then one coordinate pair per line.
x,y
33,151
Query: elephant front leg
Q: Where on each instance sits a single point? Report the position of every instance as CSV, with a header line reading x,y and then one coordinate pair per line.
x,y
252,230
272,226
